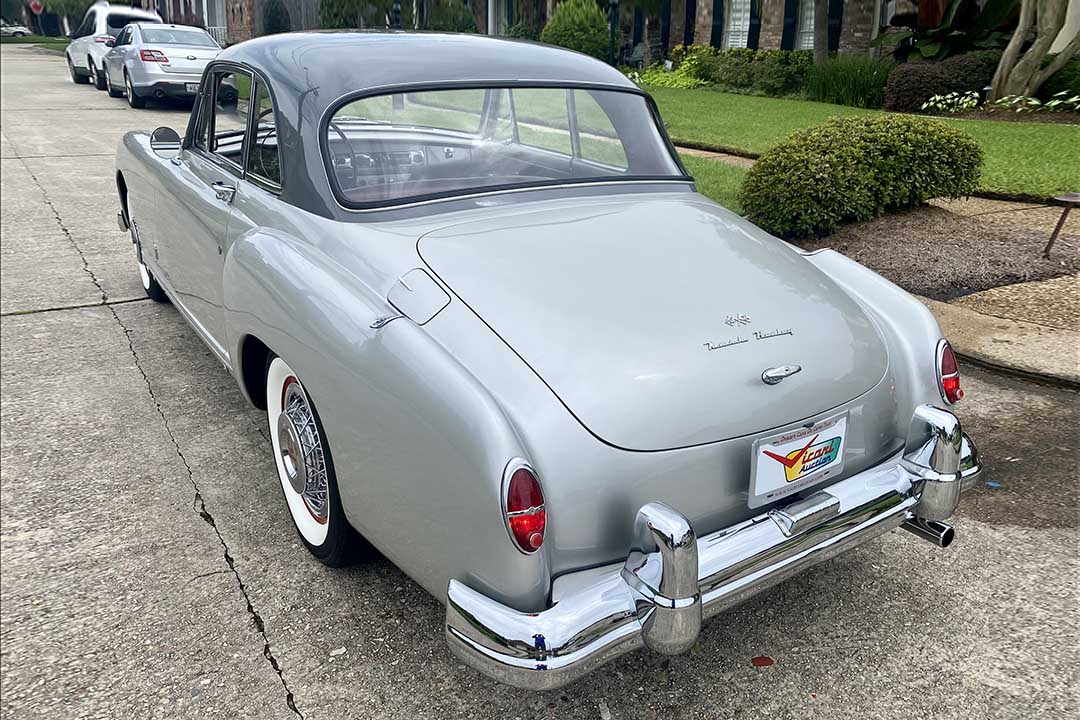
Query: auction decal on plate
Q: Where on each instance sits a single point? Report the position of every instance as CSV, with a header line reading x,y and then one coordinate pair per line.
x,y
785,464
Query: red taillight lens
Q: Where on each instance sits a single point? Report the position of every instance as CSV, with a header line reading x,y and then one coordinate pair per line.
x,y
949,374
101,38
153,56
525,514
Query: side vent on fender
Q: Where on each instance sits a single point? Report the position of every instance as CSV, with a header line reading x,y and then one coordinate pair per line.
x,y
417,296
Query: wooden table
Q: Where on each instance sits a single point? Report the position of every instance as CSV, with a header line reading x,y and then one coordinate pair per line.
x,y
1069,200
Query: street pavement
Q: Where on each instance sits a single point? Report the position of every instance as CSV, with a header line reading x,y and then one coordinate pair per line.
x,y
148,567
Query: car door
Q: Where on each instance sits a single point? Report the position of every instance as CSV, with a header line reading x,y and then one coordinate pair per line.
x,y
114,61
194,211
81,38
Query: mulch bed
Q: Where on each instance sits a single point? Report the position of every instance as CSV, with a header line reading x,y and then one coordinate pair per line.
x,y
943,255
1061,118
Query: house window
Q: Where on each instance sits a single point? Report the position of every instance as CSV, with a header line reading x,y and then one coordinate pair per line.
x,y
737,32
804,36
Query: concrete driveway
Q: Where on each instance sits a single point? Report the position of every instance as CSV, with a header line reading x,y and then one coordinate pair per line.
x,y
149,568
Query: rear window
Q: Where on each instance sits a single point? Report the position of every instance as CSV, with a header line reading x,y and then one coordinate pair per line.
x,y
116,21
403,147
175,36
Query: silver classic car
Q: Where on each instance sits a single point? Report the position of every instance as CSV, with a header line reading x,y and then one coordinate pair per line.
x,y
500,336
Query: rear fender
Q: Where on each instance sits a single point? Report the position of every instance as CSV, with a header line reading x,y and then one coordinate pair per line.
x,y
419,446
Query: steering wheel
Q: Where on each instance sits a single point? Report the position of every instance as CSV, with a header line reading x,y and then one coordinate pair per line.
x,y
352,153
262,141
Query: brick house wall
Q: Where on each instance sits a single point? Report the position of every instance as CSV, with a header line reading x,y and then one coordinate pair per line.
x,y
240,20
772,24
703,22
860,21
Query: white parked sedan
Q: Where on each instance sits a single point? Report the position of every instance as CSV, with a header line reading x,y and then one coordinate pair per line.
x,y
153,60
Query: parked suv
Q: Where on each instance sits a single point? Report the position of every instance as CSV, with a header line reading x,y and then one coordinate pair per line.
x,y
87,50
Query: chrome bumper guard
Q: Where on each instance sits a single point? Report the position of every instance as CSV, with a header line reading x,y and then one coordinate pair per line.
x,y
672,580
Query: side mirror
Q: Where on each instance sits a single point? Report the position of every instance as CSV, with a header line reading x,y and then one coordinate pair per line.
x,y
165,143
111,42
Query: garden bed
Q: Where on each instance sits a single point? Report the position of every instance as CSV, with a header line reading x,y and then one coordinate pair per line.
x,y
940,254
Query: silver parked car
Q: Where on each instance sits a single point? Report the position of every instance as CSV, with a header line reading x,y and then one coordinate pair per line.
x,y
91,40
158,61
499,334
10,30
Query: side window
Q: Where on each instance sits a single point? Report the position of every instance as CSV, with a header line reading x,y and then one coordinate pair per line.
x,y
231,93
263,157
87,27
542,118
599,142
124,37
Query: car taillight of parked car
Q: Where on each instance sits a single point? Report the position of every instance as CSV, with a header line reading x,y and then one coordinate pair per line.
x,y
102,38
525,514
153,56
948,373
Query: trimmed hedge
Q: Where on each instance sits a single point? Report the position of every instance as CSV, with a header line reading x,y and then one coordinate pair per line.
x,y
578,25
855,168
913,83
766,72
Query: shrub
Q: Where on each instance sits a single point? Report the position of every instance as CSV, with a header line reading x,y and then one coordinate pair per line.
x,y
913,83
730,68
1066,80
451,17
522,31
855,168
953,102
685,76
578,25
780,72
855,80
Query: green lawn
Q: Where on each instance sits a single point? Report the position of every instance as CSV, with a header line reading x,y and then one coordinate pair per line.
x,y
716,180
1021,158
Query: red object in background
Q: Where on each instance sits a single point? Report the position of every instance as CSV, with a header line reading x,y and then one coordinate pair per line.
x,y
761,661
36,7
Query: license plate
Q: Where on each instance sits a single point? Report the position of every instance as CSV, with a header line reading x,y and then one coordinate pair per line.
x,y
789,462
192,88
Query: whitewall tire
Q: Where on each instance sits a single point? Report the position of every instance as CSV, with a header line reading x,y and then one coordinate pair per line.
x,y
305,467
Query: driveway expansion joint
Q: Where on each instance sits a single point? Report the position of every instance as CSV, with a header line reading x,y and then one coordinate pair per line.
x,y
199,506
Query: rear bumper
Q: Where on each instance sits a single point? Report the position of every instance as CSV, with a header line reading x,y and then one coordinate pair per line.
x,y
672,580
166,89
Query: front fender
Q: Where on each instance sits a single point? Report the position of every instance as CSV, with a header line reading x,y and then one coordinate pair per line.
x,y
419,445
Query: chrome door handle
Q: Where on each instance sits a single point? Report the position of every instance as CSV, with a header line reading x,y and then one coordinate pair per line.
x,y
223,191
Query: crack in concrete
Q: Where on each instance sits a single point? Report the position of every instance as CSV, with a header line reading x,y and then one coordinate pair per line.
x,y
61,308
198,503
67,233
199,506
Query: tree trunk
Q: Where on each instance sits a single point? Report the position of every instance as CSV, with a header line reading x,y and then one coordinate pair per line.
x,y
821,31
1022,73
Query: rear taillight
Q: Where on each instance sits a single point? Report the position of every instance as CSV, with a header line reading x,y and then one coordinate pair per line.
x,y
102,38
153,56
524,504
948,373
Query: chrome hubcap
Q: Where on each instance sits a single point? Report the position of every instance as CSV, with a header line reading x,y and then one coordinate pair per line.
x,y
301,450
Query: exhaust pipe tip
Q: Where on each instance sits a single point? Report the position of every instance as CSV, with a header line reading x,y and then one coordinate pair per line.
x,y
939,533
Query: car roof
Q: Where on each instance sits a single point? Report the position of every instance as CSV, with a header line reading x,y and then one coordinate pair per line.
x,y
339,62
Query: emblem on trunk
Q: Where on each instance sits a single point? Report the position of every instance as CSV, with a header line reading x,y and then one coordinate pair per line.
x,y
191,57
735,320
773,376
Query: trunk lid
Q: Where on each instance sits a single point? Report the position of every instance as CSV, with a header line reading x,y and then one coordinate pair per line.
x,y
652,319
186,59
